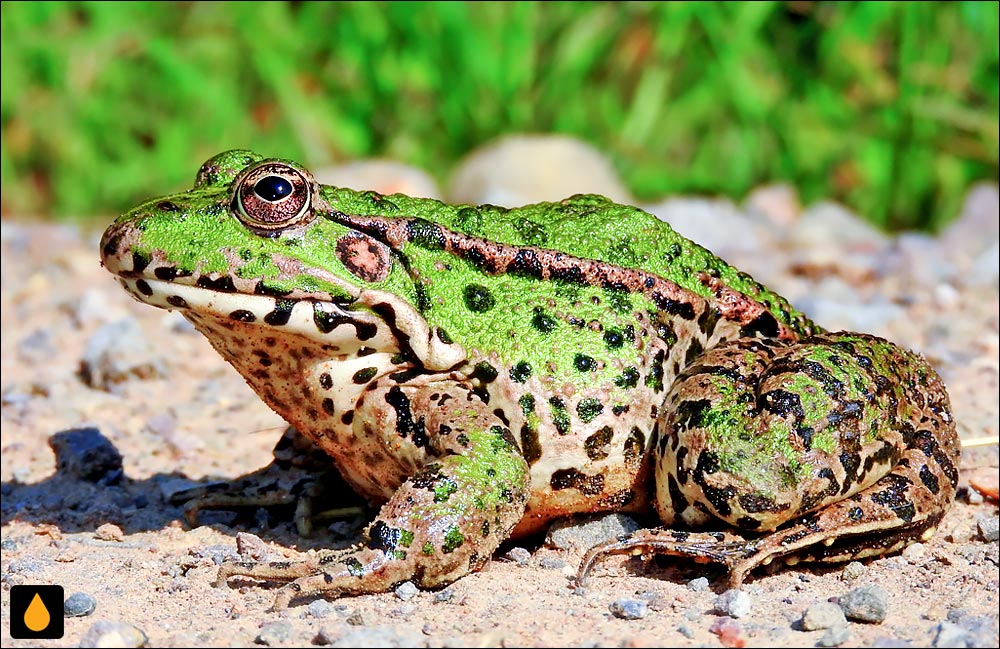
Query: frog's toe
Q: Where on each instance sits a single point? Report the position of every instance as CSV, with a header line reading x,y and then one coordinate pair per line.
x,y
731,550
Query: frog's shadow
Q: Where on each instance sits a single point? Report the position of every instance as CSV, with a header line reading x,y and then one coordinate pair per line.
x,y
91,489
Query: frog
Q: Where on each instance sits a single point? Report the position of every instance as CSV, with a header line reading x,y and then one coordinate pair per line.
x,y
478,372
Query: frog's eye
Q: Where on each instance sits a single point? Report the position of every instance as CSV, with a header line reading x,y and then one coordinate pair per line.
x,y
273,196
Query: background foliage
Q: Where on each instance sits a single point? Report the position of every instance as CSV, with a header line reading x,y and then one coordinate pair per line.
x,y
889,107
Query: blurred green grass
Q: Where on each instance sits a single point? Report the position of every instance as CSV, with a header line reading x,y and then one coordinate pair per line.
x,y
891,108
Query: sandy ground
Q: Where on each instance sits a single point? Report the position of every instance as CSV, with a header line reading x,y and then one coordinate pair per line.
x,y
179,416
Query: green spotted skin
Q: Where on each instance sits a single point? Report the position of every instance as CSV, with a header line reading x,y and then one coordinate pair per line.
x,y
479,372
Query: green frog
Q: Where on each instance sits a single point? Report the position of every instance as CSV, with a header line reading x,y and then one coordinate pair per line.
x,y
478,372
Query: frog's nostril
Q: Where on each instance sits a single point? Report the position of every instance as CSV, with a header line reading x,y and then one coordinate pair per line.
x,y
272,188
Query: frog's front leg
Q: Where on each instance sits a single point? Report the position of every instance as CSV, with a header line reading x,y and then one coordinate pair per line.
x,y
444,521
838,447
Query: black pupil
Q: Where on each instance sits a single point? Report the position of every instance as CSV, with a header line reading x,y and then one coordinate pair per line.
x,y
272,188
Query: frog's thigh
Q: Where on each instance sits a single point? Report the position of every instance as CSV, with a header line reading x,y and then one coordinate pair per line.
x,y
444,521
842,440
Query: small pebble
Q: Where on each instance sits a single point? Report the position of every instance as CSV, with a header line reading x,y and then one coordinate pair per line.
x,y
852,571
320,608
274,633
823,615
251,546
356,619
79,604
629,609
735,603
835,636
686,631
518,555
915,553
698,585
118,351
109,532
107,633
948,634
86,454
730,632
866,604
552,563
406,591
988,527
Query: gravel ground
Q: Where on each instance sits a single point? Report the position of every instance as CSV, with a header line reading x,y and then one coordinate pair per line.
x,y
156,410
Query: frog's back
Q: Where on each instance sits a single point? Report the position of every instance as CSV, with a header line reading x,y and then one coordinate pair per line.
x,y
589,226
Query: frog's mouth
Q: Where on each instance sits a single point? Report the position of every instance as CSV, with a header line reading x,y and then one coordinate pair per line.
x,y
352,320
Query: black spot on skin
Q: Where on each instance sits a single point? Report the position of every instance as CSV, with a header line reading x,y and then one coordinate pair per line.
x,y
526,264
677,500
674,307
143,287
689,414
243,315
531,448
758,502
364,375
851,463
382,537
694,350
781,402
443,336
405,425
929,479
629,378
543,322
654,379
634,444
168,273
569,275
613,339
894,496
560,417
747,523
281,314
425,234
263,288
574,479
596,445
139,262
328,406
223,285
588,409
478,298
794,537
177,301
764,324
326,381
520,372
584,363
405,376
855,514
347,418
167,206
485,372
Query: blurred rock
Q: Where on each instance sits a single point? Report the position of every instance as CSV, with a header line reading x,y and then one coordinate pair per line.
x,y
778,204
382,176
522,169
716,224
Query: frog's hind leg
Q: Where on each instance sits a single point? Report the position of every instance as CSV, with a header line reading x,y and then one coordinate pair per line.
x,y
839,447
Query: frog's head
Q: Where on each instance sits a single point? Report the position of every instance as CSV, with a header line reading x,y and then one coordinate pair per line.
x,y
257,241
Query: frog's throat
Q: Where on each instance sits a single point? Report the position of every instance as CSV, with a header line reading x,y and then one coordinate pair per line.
x,y
376,320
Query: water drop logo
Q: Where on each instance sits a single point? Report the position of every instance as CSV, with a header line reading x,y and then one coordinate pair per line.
x,y
36,612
